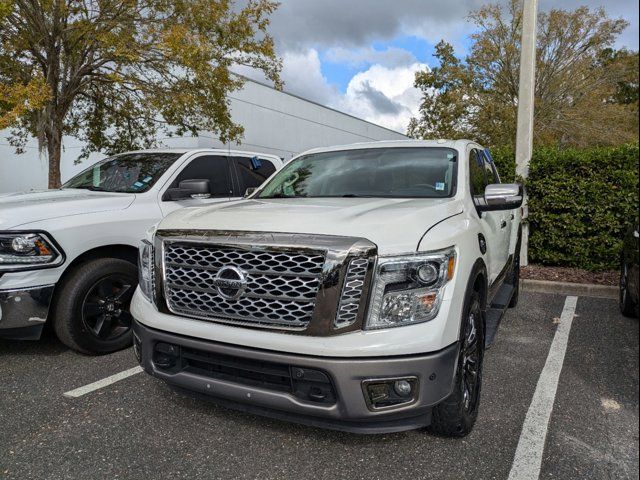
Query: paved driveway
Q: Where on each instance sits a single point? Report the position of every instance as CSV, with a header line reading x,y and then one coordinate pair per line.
x,y
139,428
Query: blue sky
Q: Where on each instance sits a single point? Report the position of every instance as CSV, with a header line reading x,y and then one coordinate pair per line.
x,y
361,56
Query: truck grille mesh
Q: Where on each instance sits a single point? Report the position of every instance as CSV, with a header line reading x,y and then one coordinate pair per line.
x,y
281,286
351,292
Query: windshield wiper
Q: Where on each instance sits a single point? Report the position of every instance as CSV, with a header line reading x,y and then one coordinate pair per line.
x,y
92,188
282,195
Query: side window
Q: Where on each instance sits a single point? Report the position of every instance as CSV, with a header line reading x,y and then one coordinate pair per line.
x,y
477,174
213,168
490,168
252,172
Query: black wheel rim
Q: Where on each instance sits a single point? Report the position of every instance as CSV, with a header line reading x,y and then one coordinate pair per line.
x,y
623,284
105,309
471,359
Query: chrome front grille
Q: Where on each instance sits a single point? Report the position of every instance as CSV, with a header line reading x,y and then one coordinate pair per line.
x,y
352,292
279,289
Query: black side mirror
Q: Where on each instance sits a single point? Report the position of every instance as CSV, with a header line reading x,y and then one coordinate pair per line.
x,y
196,188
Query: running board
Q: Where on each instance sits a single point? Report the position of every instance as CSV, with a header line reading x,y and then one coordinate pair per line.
x,y
495,312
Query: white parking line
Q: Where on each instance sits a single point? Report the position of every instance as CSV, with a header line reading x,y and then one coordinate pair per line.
x,y
528,458
78,392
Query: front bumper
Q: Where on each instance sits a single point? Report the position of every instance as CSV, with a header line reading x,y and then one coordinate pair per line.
x,y
23,312
349,410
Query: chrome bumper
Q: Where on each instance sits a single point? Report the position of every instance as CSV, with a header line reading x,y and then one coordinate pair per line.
x,y
23,312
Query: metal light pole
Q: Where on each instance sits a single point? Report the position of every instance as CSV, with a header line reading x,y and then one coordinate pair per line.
x,y
526,93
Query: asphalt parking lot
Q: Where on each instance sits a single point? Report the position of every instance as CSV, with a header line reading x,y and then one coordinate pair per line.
x,y
139,428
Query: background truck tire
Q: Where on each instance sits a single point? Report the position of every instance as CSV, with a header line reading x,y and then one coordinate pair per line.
x,y
627,307
457,414
91,314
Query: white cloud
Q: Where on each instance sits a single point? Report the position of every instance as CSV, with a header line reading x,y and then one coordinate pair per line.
x,y
384,95
302,76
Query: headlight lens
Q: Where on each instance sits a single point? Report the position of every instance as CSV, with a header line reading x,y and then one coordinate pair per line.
x,y
408,289
145,269
27,250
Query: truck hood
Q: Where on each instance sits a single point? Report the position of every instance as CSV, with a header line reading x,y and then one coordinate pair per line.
x,y
22,208
394,225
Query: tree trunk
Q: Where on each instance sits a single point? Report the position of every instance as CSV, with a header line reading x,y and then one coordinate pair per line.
x,y
54,152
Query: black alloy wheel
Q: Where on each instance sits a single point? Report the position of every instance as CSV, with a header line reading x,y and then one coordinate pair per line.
x,y
105,309
471,360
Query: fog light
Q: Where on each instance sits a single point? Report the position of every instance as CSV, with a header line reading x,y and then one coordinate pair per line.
x,y
402,388
388,393
166,355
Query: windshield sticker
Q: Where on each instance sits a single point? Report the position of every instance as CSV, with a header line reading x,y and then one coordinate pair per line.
x,y
255,163
450,155
439,185
147,180
138,185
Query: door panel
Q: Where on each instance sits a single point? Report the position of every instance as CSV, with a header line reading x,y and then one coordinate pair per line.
x,y
491,223
506,216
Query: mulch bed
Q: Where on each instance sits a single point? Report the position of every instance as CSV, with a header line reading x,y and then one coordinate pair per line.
x,y
572,275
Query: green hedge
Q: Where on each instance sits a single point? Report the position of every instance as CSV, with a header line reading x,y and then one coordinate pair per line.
x,y
580,203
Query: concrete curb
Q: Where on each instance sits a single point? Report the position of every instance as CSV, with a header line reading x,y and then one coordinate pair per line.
x,y
567,288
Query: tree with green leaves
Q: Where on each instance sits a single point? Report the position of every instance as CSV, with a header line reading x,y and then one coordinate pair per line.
x,y
584,89
118,73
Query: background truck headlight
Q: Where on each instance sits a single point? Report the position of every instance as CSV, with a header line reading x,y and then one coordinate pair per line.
x,y
408,289
28,250
146,268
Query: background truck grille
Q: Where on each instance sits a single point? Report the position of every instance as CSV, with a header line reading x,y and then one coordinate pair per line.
x,y
281,286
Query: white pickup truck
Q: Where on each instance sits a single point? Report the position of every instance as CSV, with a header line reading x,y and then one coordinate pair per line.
x,y
70,255
357,289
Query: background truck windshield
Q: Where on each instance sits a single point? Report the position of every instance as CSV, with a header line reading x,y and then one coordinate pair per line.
x,y
127,173
426,172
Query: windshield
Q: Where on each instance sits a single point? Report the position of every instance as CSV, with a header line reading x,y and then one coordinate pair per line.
x,y
127,173
415,172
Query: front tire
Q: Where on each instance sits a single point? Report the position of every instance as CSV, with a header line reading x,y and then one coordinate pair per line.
x,y
457,414
92,312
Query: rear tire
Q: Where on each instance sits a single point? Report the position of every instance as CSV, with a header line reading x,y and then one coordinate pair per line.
x,y
515,275
457,414
92,311
627,307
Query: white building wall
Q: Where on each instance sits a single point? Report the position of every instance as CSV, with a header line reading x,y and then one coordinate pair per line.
x,y
275,122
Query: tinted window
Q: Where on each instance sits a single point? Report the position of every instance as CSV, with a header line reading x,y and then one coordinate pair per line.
x,y
252,172
373,172
489,168
130,172
213,168
496,174
477,174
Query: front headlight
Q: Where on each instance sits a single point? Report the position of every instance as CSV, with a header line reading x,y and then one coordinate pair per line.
x,y
408,289
28,250
145,269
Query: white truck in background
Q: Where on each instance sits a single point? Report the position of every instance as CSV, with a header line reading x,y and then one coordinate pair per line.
x,y
69,256
356,289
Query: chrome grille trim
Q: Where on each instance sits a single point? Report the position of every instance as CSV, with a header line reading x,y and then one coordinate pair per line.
x,y
281,285
352,292
337,251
